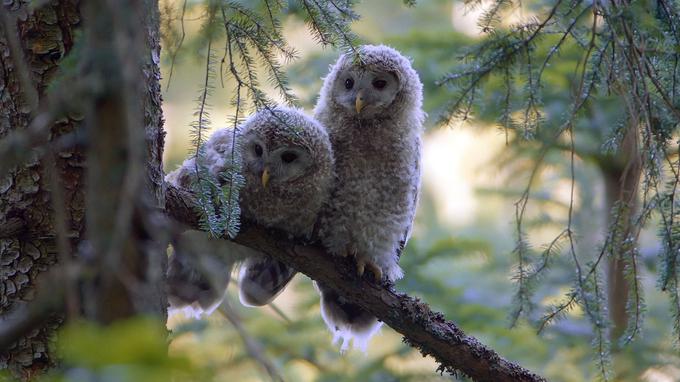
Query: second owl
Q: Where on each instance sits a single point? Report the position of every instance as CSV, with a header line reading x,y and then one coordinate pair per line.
x,y
371,104
288,165
287,162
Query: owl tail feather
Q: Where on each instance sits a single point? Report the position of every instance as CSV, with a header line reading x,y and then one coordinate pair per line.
x,y
346,321
195,310
261,279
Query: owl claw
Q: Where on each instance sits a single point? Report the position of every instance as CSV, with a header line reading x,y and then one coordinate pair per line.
x,y
377,271
360,267
363,264
349,252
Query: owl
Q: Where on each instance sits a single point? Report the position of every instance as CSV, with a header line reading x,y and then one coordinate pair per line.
x,y
371,105
286,160
288,166
196,278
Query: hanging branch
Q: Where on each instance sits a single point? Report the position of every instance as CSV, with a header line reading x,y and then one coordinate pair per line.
x,y
177,48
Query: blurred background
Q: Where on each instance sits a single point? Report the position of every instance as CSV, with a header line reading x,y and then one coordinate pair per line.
x,y
459,259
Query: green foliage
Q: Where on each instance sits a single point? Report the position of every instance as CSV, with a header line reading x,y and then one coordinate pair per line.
x,y
611,50
565,92
329,22
670,233
131,350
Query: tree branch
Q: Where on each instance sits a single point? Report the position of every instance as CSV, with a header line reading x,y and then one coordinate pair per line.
x,y
422,328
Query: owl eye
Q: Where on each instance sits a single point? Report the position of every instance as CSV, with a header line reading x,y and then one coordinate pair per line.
x,y
288,157
258,150
379,84
349,83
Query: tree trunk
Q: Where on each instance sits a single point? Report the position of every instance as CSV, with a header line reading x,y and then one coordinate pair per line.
x,y
118,188
46,36
125,176
622,176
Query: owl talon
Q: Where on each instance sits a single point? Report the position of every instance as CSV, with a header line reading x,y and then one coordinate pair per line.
x,y
349,252
377,272
363,264
360,267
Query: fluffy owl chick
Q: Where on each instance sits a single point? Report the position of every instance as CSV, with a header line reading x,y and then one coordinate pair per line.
x,y
196,279
288,166
371,105
287,162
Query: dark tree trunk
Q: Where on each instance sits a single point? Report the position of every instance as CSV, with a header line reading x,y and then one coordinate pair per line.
x,y
622,176
119,188
125,177
46,36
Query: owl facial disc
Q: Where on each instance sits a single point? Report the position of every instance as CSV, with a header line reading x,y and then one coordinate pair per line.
x,y
366,92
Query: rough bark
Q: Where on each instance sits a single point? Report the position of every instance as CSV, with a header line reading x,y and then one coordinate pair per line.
x,y
41,225
125,142
30,249
422,328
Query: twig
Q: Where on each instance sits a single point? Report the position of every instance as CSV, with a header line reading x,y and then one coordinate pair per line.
x,y
60,225
253,347
280,312
178,47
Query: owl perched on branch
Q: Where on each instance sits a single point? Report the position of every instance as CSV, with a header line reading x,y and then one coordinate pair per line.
x,y
287,162
196,278
288,165
371,105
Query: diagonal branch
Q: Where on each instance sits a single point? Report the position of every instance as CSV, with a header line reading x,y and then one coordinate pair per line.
x,y
422,328
253,347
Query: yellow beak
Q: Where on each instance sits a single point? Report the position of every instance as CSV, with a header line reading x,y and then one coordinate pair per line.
x,y
265,177
359,103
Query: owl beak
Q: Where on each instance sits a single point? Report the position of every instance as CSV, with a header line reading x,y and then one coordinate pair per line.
x,y
359,103
265,177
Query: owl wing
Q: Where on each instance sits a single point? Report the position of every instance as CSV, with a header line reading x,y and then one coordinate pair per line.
x,y
415,195
196,278
262,279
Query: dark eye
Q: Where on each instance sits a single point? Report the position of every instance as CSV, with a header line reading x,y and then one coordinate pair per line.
x,y
288,156
349,83
379,84
258,150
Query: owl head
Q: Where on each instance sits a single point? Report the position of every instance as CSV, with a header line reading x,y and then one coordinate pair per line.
x,y
280,146
376,81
